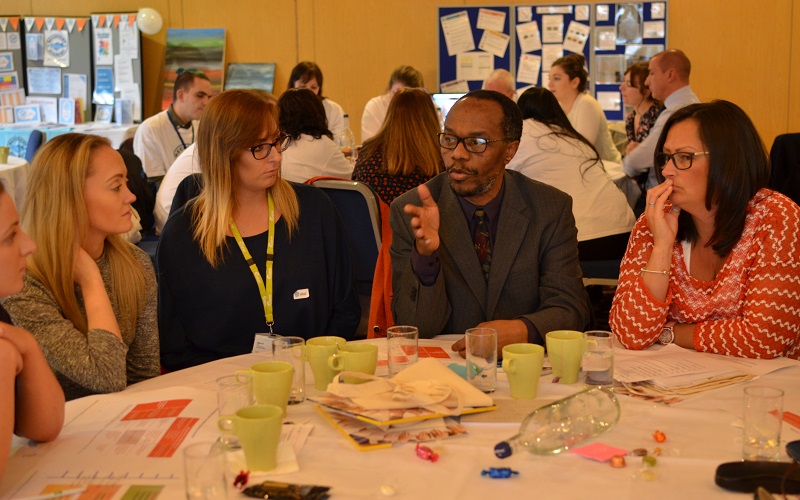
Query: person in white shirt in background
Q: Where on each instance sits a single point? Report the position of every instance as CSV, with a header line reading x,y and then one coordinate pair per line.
x,y
668,83
307,75
568,77
375,110
312,151
500,80
184,166
160,139
553,152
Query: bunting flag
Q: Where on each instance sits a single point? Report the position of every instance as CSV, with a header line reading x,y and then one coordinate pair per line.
x,y
116,20
81,23
123,18
3,23
102,21
59,23
29,23
70,24
39,23
95,20
49,22
14,22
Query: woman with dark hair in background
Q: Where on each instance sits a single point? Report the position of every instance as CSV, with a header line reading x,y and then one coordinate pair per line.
x,y
553,152
714,264
568,79
252,252
377,107
645,109
307,75
312,151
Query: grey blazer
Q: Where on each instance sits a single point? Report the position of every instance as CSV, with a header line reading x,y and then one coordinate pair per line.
x,y
535,272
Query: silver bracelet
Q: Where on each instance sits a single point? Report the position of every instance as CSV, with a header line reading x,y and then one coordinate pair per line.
x,y
665,273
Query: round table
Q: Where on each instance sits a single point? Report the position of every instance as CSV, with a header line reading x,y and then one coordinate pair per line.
x,y
14,175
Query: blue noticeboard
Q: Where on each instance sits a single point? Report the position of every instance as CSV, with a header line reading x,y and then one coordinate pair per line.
x,y
624,34
451,17
541,15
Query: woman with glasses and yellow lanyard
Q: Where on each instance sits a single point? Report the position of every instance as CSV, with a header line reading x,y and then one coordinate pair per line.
x,y
714,263
253,253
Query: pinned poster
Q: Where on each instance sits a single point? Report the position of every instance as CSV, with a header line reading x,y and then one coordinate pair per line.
x,y
103,47
528,36
524,13
9,81
103,86
48,107
653,29
494,43
27,113
75,87
6,114
103,114
44,80
457,33
131,92
123,112
474,65
553,28
13,41
454,87
528,68
550,53
66,111
577,34
123,70
56,48
12,98
489,19
129,40
34,45
6,61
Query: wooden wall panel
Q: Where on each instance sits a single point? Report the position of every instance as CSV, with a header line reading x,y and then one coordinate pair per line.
x,y
746,54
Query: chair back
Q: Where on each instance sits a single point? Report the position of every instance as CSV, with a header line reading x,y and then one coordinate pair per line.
x,y
359,209
34,142
785,159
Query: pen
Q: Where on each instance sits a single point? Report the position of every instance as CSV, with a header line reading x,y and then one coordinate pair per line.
x,y
57,494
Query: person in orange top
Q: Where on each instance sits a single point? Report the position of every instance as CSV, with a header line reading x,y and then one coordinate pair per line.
x,y
714,263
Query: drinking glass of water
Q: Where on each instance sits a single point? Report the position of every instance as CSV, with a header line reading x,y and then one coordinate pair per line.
x,y
598,358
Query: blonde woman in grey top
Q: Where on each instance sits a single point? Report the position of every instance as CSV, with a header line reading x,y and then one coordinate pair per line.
x,y
89,296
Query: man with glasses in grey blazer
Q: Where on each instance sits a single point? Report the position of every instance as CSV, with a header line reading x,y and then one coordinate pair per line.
x,y
481,246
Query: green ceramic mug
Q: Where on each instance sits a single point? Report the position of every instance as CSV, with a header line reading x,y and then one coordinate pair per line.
x,y
565,349
318,350
522,364
258,428
354,357
272,382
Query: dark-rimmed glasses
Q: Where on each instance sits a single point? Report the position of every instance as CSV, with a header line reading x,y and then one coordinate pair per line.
x,y
263,150
471,144
681,160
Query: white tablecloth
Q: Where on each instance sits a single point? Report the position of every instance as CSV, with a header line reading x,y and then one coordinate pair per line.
x,y
701,434
14,175
115,133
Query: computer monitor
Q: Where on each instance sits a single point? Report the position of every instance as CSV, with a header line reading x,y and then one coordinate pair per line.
x,y
445,102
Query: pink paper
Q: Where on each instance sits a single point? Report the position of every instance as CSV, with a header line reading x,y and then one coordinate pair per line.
x,y
599,452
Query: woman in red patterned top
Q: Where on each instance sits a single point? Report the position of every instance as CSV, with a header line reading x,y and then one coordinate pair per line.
x,y
714,263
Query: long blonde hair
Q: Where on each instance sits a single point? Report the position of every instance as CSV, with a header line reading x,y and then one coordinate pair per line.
x,y
408,135
54,215
233,121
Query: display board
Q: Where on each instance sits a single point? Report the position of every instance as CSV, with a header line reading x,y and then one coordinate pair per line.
x,y
546,32
624,34
473,41
117,58
58,62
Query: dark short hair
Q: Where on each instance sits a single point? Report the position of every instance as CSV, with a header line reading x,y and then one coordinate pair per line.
x,y
406,75
574,65
185,80
512,116
305,71
738,167
301,112
541,105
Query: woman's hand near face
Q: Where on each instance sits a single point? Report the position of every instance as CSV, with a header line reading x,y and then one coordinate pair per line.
x,y
86,270
99,313
663,226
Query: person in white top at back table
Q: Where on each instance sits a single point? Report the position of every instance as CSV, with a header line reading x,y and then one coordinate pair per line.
x,y
307,75
375,110
500,80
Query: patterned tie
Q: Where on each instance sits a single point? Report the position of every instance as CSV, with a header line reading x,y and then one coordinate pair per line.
x,y
483,243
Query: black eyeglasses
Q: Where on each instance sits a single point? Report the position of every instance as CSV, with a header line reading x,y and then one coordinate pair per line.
x,y
682,160
471,144
263,150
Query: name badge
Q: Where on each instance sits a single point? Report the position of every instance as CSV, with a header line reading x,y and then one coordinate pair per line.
x,y
301,294
263,342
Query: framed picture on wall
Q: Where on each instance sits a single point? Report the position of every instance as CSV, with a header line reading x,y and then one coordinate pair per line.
x,y
194,50
250,76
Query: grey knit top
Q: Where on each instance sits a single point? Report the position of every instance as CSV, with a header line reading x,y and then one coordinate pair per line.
x,y
96,361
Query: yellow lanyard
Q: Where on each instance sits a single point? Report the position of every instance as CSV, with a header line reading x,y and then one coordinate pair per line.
x,y
265,291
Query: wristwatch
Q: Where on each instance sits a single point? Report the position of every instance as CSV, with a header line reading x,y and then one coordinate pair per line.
x,y
667,335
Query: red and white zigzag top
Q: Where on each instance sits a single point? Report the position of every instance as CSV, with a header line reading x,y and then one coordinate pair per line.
x,y
751,309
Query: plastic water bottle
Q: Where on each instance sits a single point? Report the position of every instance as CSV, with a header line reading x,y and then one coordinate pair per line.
x,y
347,141
563,424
